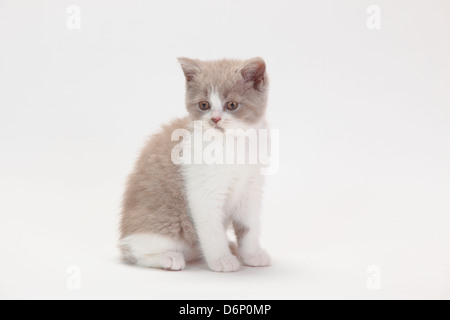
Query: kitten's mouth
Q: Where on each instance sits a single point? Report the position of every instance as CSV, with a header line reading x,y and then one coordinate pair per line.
x,y
219,127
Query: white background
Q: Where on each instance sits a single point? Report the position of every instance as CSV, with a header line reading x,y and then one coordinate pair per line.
x,y
363,115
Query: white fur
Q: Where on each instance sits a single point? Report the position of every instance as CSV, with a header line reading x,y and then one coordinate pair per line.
x,y
218,194
215,101
155,251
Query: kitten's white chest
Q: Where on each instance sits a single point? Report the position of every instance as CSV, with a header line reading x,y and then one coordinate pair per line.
x,y
224,184
218,187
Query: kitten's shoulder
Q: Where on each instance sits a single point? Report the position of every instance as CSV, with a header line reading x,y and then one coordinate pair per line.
x,y
162,138
178,123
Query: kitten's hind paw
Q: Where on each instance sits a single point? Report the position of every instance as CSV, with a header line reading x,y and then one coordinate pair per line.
x,y
258,259
228,263
172,260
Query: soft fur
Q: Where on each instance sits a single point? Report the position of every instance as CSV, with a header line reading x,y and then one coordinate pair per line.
x,y
177,213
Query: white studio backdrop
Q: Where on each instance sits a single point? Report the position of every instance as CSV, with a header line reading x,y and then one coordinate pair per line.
x,y
359,91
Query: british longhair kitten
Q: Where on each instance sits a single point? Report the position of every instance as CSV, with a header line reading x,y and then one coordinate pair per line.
x,y
179,211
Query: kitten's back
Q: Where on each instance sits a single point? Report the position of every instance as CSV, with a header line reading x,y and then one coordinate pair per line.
x,y
154,201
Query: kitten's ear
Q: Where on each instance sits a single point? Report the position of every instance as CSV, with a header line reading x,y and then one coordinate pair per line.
x,y
254,71
190,67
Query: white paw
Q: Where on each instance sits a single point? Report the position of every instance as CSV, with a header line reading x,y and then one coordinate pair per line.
x,y
172,260
228,263
259,259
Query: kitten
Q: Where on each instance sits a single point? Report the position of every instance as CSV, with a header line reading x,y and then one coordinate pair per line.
x,y
173,213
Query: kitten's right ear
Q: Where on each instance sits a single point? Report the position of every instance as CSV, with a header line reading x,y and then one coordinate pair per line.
x,y
190,67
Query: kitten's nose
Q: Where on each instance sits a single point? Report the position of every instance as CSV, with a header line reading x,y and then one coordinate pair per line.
x,y
216,119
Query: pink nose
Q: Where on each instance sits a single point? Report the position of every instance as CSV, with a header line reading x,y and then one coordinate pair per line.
x,y
216,119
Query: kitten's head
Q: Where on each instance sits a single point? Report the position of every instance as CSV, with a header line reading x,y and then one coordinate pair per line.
x,y
226,94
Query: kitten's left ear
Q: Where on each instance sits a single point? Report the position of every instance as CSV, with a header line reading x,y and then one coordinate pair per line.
x,y
254,71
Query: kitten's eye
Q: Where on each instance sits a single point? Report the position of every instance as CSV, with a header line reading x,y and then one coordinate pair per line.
x,y
231,105
203,105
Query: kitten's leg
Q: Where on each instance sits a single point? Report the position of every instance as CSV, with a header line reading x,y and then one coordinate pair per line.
x,y
155,251
246,227
208,216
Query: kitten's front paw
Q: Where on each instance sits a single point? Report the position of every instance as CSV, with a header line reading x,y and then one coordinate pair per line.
x,y
258,259
228,263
